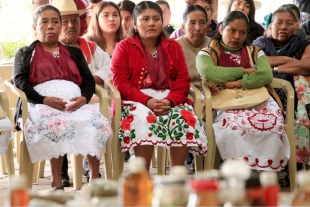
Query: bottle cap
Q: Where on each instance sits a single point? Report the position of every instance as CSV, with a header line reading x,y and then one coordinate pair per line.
x,y
204,185
136,164
237,169
180,171
303,177
268,178
18,182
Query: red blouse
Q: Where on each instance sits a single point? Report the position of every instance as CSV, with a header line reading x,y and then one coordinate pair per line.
x,y
46,66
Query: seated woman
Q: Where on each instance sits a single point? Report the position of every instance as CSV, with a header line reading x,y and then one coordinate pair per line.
x,y
289,55
154,90
58,85
247,7
105,26
195,27
213,26
126,8
255,134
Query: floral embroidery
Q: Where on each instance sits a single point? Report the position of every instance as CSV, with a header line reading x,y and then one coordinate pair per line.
x,y
151,118
263,122
189,118
189,136
179,127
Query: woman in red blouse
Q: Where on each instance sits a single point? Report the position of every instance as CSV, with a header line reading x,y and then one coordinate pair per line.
x,y
151,74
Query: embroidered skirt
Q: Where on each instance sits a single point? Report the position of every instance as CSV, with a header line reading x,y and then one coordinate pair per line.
x,y
51,133
5,134
180,128
256,135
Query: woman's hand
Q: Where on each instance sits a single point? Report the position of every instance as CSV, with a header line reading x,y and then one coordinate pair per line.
x,y
54,102
77,103
249,70
159,107
233,84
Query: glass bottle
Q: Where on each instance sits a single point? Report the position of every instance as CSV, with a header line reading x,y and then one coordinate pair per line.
x,y
236,172
203,193
137,186
254,190
302,195
19,195
271,189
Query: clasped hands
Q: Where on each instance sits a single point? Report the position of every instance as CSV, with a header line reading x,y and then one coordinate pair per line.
x,y
60,104
160,107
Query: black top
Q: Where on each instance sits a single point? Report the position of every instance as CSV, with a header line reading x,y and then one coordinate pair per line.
x,y
21,72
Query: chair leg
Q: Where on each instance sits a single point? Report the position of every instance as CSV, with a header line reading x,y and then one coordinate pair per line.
x,y
25,165
10,159
3,164
41,169
161,160
18,134
153,162
108,161
292,169
35,176
77,166
198,163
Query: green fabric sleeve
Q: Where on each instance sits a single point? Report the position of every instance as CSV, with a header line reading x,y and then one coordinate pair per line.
x,y
217,74
259,78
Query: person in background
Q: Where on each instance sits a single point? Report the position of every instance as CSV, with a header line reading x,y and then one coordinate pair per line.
x,y
167,27
299,30
126,7
289,53
213,25
58,85
98,61
92,4
304,8
154,91
105,26
195,25
247,7
245,134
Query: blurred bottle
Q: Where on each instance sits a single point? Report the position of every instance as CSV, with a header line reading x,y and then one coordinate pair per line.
x,y
302,195
19,195
271,189
254,190
136,189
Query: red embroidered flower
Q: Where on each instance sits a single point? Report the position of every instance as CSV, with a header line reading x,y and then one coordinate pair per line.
x,y
126,140
189,136
189,118
150,134
133,108
125,124
262,122
130,118
173,123
151,118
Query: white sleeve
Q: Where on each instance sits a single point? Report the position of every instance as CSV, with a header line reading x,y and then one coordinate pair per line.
x,y
102,64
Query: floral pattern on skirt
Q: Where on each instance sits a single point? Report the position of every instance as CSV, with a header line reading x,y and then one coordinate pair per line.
x,y
255,135
302,122
180,128
51,133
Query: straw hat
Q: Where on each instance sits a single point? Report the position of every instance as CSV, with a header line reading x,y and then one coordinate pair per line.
x,y
67,7
224,3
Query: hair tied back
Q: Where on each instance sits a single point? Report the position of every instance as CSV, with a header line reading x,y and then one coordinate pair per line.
x,y
267,20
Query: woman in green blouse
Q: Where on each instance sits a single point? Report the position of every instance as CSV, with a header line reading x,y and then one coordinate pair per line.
x,y
256,134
